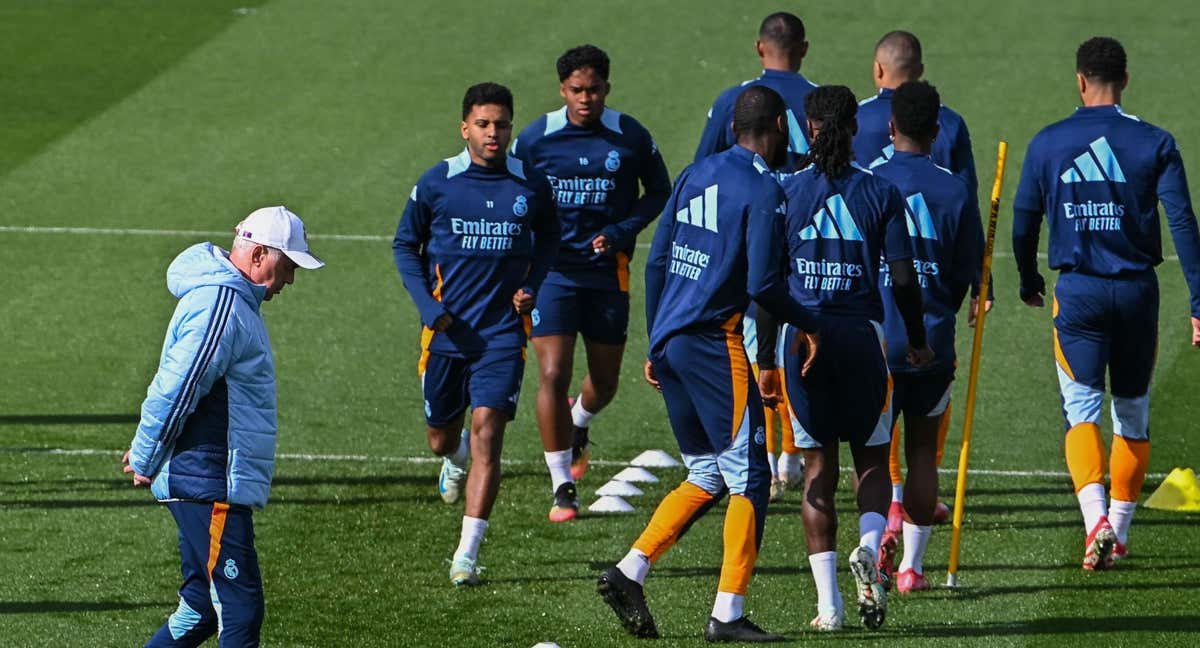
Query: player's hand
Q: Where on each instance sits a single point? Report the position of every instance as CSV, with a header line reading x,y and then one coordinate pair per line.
x,y
601,245
648,374
1196,331
769,386
919,357
812,343
1033,291
523,302
973,311
138,480
443,322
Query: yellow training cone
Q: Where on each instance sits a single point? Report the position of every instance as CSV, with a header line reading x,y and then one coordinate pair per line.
x,y
1180,491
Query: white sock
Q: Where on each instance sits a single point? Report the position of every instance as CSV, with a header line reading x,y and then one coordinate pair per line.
x,y
784,465
1120,515
1092,505
471,537
916,538
635,565
559,463
462,456
581,417
870,529
824,569
897,492
773,461
728,607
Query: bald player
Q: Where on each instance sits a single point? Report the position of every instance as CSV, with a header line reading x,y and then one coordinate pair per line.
x,y
781,48
898,61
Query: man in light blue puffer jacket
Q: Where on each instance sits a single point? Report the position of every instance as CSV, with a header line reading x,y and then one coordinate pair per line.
x,y
206,442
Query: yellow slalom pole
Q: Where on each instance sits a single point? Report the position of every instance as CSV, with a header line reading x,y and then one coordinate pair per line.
x,y
960,488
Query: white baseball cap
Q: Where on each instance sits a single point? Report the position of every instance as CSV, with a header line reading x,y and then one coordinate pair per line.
x,y
279,228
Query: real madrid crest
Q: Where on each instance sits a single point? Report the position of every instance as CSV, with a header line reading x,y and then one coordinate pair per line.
x,y
613,161
521,206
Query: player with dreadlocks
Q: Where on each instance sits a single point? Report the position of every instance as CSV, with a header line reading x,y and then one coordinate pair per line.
x,y
841,220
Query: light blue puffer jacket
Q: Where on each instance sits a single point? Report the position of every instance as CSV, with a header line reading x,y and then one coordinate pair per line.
x,y
208,422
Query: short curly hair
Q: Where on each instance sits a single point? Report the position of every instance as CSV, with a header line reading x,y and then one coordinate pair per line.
x,y
915,107
584,56
1101,59
482,94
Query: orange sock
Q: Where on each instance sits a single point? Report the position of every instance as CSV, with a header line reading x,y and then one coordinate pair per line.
x,y
741,546
1128,463
894,456
943,428
1085,455
672,518
785,419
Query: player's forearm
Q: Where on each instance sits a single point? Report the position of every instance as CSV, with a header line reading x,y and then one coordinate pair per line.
x,y
1026,228
767,328
907,293
545,250
416,282
1186,236
656,270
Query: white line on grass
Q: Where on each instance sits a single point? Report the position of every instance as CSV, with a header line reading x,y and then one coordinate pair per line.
x,y
377,238
360,458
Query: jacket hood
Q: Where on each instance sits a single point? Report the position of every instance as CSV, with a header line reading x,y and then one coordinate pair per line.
x,y
205,264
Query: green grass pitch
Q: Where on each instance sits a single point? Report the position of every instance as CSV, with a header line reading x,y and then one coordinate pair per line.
x,y
149,115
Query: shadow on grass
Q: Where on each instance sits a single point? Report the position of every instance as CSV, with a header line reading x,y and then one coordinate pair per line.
x,y
69,419
1064,625
359,480
50,607
976,593
276,501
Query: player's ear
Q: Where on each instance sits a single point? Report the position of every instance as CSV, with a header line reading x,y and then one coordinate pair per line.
x,y
811,128
878,70
1125,81
760,49
1081,83
464,129
892,130
920,70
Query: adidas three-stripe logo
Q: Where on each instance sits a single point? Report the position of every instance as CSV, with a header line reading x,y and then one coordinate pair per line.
x,y
701,210
832,222
920,220
1097,164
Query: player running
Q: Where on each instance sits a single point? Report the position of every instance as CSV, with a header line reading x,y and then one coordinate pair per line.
x,y
473,246
781,46
946,235
1098,176
718,244
897,61
841,220
594,158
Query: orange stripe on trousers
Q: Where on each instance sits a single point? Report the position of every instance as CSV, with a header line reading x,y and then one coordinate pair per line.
x,y
739,370
216,529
